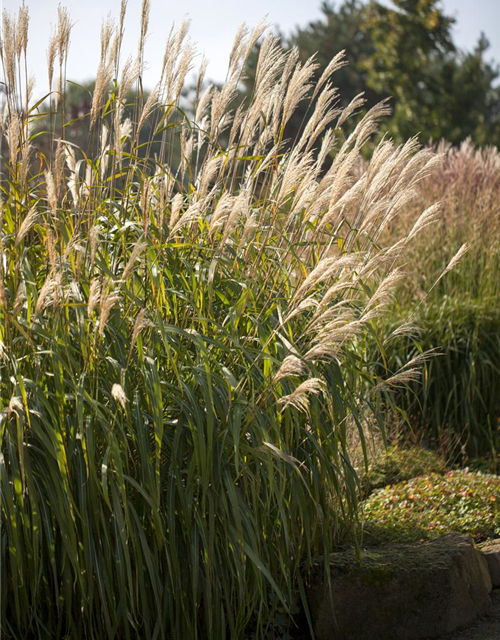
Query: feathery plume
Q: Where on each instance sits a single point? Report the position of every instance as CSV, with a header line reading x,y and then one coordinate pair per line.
x,y
123,11
298,87
63,34
14,135
291,366
107,30
175,209
334,65
149,106
108,300
115,49
73,174
185,65
299,398
407,330
94,296
145,9
94,241
26,155
104,149
30,87
9,49
238,42
102,82
141,322
453,262
427,217
385,291
356,103
119,396
457,257
191,214
204,103
51,246
125,130
138,249
27,224
49,293
20,299
129,75
51,58
15,406
51,191
199,82
22,29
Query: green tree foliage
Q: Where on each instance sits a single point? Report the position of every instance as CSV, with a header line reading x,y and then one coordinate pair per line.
x,y
438,90
405,52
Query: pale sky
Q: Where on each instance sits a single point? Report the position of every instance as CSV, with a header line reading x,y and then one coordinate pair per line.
x,y
214,23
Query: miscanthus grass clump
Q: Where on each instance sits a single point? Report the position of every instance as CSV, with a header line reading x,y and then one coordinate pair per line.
x,y
181,323
455,405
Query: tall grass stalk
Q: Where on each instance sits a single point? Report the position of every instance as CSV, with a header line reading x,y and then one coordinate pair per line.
x,y
180,332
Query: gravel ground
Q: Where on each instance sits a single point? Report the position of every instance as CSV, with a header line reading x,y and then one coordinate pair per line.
x,y
485,628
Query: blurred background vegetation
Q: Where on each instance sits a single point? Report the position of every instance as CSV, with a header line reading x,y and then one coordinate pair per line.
x,y
405,53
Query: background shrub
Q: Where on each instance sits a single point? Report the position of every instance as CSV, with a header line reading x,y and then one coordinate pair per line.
x,y
397,464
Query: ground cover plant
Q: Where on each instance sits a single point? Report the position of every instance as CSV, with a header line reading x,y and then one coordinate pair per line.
x,y
430,506
182,330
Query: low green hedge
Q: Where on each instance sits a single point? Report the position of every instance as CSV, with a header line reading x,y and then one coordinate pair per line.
x,y
397,464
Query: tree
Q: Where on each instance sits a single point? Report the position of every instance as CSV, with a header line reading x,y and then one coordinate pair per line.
x,y
438,91
405,52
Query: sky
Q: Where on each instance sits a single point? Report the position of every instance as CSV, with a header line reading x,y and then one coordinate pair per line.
x,y
214,23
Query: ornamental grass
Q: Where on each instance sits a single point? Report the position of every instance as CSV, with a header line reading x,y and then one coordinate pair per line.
x,y
181,331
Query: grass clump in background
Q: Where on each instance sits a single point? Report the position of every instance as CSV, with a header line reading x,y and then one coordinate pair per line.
x,y
430,506
455,404
181,331
397,464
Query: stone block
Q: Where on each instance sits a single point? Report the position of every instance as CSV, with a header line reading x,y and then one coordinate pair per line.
x,y
401,591
491,553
